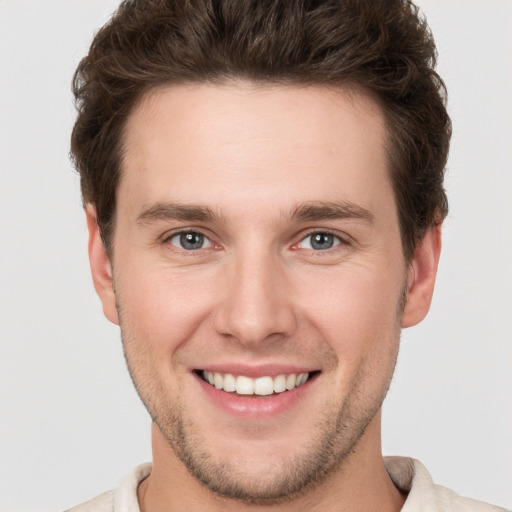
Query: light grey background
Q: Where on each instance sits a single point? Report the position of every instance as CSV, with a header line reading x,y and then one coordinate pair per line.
x,y
71,425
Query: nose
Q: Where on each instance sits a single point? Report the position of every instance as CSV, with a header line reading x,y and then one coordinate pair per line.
x,y
256,305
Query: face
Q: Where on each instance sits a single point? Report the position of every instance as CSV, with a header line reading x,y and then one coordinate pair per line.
x,y
258,279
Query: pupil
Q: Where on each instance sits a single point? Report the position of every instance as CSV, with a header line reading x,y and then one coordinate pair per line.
x,y
191,241
322,241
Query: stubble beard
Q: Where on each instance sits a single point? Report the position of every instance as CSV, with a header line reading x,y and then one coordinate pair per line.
x,y
338,431
337,436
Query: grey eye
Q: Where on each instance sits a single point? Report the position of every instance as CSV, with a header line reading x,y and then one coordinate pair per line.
x,y
190,241
320,241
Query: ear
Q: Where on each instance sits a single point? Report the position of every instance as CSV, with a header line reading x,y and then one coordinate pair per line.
x,y
421,277
100,266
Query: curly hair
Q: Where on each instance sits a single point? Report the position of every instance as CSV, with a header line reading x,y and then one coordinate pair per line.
x,y
383,47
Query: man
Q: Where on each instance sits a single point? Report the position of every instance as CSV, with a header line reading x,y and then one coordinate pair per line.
x,y
263,185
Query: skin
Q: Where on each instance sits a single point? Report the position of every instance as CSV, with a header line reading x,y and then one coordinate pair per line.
x,y
258,293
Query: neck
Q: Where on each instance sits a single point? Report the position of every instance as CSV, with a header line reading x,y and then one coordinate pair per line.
x,y
360,482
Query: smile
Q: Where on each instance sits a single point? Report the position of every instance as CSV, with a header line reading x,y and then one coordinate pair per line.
x,y
263,386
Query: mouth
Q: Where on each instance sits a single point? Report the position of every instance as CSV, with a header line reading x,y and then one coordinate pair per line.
x,y
261,386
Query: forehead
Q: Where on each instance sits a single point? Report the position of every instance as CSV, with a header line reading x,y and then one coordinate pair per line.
x,y
254,143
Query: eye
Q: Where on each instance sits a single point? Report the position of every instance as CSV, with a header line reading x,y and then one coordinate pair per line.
x,y
190,241
319,241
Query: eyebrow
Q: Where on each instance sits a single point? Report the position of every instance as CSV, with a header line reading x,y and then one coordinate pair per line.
x,y
305,212
320,210
173,211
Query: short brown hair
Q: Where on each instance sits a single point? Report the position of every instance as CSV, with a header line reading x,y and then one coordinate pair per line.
x,y
383,47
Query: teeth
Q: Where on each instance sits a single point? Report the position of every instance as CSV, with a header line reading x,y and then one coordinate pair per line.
x,y
264,386
291,380
301,379
243,385
218,381
229,383
280,384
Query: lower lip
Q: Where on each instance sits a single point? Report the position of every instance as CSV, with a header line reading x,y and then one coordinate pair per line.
x,y
256,406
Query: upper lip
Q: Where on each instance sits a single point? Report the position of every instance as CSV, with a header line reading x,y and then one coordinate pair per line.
x,y
255,371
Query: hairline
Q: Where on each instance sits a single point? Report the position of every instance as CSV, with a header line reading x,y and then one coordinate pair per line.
x,y
348,88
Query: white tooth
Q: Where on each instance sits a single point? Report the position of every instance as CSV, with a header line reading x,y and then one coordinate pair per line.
x,y
305,378
209,377
263,386
301,379
280,383
218,380
229,383
244,385
290,381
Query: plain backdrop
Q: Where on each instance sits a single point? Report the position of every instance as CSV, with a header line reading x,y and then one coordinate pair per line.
x,y
71,424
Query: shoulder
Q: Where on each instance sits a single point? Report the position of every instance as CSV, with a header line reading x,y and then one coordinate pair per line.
x,y
121,499
451,502
423,495
102,503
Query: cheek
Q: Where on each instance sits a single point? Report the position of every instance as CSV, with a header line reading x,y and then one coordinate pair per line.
x,y
162,308
356,310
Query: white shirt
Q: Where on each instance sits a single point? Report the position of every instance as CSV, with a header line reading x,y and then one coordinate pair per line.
x,y
408,475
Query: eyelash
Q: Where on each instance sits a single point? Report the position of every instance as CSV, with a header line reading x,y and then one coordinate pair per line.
x,y
338,241
184,232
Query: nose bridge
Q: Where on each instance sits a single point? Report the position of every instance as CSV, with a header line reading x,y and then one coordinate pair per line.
x,y
255,304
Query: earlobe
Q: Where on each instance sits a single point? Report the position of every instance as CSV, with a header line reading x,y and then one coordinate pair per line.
x,y
421,277
101,267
